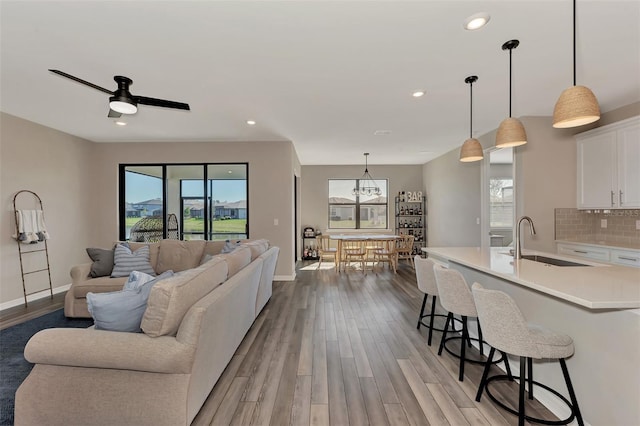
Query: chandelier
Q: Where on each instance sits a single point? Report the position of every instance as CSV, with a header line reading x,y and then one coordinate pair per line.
x,y
367,185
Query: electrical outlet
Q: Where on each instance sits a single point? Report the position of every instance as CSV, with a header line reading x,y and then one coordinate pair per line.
x,y
477,221
603,223
275,222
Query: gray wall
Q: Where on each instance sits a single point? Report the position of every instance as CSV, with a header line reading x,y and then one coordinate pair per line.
x,y
56,166
78,183
545,179
315,187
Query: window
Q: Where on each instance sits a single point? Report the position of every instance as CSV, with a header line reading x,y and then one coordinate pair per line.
x,y
348,211
183,201
501,202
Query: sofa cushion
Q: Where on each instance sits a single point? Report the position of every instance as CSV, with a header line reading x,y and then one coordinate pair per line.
x,y
122,310
257,247
102,262
237,259
179,255
97,285
170,299
154,249
126,261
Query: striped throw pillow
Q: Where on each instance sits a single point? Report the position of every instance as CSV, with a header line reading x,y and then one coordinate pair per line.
x,y
125,261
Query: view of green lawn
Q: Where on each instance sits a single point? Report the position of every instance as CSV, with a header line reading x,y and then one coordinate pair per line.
x,y
235,226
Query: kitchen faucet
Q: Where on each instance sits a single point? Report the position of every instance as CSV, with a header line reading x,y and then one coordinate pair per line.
x,y
518,252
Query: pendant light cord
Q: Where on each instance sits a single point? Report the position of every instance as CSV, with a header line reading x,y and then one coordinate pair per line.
x,y
510,79
471,111
574,42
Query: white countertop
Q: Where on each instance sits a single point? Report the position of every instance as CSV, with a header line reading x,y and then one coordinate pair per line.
x,y
601,286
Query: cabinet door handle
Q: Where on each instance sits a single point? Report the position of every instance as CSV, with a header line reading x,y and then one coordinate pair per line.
x,y
620,199
612,203
580,251
632,259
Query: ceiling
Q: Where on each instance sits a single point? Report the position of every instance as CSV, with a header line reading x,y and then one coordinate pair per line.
x,y
325,75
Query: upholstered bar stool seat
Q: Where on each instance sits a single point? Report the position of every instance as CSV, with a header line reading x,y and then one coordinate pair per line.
x,y
456,297
427,284
506,330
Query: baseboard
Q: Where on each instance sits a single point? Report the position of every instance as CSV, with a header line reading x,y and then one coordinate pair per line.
x,y
285,277
32,297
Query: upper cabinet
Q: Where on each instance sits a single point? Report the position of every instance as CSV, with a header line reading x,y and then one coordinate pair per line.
x,y
609,166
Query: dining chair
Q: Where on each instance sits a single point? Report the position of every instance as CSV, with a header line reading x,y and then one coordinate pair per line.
x,y
405,249
354,250
325,251
387,254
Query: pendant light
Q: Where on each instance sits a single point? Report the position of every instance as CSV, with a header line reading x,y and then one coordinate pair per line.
x,y
471,149
577,105
367,185
511,131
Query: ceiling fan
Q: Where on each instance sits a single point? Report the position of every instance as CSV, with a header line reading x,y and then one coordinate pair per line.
x,y
121,100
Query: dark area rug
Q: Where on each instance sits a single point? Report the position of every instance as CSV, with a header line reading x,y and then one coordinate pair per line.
x,y
13,367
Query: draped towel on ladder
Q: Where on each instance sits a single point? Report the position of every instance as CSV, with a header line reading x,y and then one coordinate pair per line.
x,y
31,228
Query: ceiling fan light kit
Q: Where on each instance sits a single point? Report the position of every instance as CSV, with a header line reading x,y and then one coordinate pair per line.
x,y
121,100
577,105
471,148
511,131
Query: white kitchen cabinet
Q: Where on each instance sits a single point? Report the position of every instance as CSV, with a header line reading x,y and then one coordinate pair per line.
x,y
609,166
619,256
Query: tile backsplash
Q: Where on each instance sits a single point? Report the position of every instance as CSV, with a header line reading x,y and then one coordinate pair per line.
x,y
574,224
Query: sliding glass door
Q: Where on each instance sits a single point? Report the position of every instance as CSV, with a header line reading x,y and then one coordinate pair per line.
x,y
184,201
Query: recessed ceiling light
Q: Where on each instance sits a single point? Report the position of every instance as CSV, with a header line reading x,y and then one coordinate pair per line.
x,y
229,171
476,21
418,93
121,123
251,122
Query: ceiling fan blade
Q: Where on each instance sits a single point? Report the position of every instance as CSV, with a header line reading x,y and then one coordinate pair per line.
x,y
161,103
114,114
81,81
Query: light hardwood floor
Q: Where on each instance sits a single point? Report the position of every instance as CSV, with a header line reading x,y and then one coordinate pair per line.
x,y
341,349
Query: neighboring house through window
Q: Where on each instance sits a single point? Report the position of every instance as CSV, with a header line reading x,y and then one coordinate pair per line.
x,y
349,211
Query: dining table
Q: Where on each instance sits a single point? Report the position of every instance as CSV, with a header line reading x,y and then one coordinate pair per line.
x,y
369,237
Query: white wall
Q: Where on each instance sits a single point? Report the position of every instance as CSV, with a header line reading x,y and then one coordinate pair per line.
x,y
315,189
271,170
56,166
545,179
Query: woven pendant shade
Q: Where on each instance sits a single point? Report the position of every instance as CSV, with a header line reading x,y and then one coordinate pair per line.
x,y
510,133
471,151
576,106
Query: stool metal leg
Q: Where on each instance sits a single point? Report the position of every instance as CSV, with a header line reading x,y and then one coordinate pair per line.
x,y
465,336
485,373
433,314
480,341
444,333
507,366
523,368
572,394
530,378
424,302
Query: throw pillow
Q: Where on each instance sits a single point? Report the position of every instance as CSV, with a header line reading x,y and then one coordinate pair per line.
x,y
102,262
206,258
230,246
125,261
136,279
121,310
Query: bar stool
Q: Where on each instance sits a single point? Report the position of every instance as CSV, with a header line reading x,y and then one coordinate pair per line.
x,y
427,284
456,297
507,330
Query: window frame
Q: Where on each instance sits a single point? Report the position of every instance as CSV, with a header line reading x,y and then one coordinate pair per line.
x,y
357,204
122,170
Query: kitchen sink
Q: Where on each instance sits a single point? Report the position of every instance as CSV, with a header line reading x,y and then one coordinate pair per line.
x,y
551,260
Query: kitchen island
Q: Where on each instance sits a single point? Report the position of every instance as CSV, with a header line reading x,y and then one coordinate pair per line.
x,y
596,304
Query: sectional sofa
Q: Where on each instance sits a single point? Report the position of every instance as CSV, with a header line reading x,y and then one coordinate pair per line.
x,y
193,324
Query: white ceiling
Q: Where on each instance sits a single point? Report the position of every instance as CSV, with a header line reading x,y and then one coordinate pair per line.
x,y
323,74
